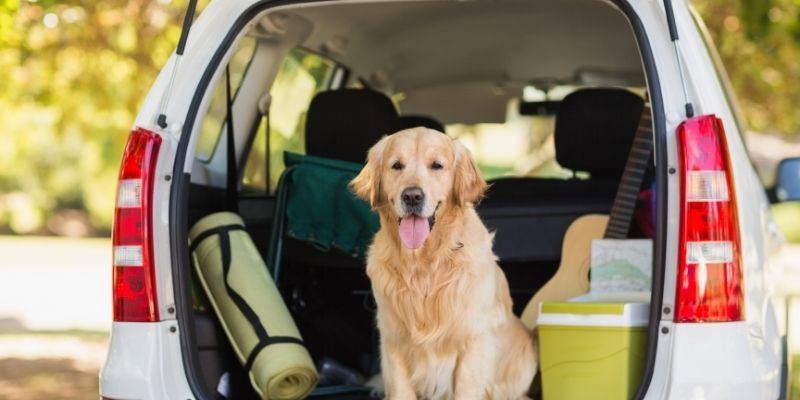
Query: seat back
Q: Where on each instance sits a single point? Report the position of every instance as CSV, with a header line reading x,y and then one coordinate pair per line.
x,y
343,124
594,131
413,121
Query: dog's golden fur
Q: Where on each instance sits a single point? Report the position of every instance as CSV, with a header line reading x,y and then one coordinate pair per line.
x,y
444,309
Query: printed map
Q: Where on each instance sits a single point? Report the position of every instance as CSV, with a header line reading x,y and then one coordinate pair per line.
x,y
621,265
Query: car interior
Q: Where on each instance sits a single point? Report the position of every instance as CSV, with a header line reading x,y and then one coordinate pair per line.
x,y
547,94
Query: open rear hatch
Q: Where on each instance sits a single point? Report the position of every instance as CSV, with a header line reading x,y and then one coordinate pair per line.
x,y
321,280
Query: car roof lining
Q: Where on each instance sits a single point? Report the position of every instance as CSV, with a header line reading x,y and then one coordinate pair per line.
x,y
485,51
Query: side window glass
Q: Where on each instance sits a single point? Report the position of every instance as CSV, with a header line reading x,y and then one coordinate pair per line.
x,y
211,129
302,74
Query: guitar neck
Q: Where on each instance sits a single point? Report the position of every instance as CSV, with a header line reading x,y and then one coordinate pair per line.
x,y
619,222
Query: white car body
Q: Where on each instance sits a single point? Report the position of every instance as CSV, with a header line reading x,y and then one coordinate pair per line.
x,y
731,360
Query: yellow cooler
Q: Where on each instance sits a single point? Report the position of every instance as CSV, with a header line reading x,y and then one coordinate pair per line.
x,y
591,349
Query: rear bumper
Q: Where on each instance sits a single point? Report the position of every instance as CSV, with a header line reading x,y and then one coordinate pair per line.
x,y
144,362
723,361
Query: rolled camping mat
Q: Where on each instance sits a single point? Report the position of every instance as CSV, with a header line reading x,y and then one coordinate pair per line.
x,y
250,308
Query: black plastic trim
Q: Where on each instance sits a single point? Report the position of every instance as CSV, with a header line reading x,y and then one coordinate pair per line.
x,y
660,143
181,273
673,29
187,24
180,189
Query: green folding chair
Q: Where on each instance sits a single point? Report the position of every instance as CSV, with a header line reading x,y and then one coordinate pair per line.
x,y
315,205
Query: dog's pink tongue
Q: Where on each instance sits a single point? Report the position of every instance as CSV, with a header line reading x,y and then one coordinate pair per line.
x,y
413,231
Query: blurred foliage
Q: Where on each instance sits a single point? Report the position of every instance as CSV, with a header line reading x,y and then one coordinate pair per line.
x,y
76,71
758,43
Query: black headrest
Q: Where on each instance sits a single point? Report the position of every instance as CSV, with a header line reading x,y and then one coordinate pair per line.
x,y
343,124
413,121
595,129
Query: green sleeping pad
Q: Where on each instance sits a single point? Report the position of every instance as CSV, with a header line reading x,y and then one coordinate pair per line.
x,y
250,308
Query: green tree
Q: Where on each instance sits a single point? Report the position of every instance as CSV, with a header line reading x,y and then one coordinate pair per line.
x,y
76,72
758,43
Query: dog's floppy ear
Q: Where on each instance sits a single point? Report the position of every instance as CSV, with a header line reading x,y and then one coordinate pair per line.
x,y
367,185
468,184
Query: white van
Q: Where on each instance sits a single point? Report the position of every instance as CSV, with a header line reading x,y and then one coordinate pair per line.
x,y
546,93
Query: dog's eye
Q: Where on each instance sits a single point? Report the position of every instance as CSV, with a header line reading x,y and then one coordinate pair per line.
x,y
397,165
436,165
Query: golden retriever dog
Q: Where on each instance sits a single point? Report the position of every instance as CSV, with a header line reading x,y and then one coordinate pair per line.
x,y
444,308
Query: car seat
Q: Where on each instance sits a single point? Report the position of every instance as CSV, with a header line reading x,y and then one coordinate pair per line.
x,y
594,130
572,277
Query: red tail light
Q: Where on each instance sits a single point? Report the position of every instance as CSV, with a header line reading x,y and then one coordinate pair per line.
x,y
134,276
709,261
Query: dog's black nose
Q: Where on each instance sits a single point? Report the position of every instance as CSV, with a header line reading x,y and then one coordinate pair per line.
x,y
412,197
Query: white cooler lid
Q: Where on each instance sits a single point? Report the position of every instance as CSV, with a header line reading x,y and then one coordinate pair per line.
x,y
604,309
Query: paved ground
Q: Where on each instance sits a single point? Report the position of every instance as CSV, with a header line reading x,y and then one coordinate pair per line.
x,y
51,366
55,283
